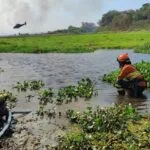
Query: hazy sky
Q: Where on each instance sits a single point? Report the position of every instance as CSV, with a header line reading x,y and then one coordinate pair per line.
x,y
48,15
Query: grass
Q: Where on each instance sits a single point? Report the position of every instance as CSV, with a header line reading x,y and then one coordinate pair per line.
x,y
145,48
74,43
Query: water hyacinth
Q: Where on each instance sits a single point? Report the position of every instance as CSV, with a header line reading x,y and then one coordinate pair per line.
x,y
109,128
21,86
36,85
111,77
77,140
61,96
31,85
104,120
46,96
84,89
71,92
8,98
42,112
143,67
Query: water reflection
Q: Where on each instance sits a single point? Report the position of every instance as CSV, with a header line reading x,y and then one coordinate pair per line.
x,y
141,104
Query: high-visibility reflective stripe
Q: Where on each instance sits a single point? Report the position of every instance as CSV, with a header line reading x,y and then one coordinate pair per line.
x,y
133,75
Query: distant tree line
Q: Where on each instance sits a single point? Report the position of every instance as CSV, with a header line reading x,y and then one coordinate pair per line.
x,y
86,27
114,21
126,20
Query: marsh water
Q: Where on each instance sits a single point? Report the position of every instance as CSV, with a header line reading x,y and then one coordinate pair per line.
x,y
59,70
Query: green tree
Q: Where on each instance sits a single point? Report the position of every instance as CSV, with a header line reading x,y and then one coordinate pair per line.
x,y
121,22
108,17
72,29
124,20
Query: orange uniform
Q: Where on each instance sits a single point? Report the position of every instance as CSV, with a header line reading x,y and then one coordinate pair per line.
x,y
130,73
129,78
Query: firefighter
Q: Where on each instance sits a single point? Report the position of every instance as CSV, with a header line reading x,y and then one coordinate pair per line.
x,y
129,79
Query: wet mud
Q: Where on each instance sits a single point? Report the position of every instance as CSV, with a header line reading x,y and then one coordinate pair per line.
x,y
59,70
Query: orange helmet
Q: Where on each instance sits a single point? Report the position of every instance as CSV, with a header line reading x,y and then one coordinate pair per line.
x,y
123,57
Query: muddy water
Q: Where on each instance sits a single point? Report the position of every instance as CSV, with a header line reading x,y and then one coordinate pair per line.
x,y
58,70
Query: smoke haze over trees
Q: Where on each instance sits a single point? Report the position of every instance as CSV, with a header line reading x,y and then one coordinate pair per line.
x,y
116,21
86,27
46,15
49,15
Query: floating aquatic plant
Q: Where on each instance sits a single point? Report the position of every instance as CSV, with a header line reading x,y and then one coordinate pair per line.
x,y
46,96
67,94
143,67
84,89
43,112
109,128
36,85
61,96
111,77
105,120
32,85
21,86
8,98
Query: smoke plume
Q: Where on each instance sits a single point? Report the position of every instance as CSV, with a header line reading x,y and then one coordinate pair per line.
x,y
46,15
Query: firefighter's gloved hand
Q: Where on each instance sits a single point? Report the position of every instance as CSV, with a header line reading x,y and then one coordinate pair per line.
x,y
120,90
117,85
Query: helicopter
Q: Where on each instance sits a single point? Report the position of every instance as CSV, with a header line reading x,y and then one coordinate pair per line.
x,y
19,25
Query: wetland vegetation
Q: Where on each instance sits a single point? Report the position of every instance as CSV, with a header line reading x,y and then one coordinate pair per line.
x,y
85,89
8,98
116,127
130,29
94,128
143,67
31,85
145,48
74,43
